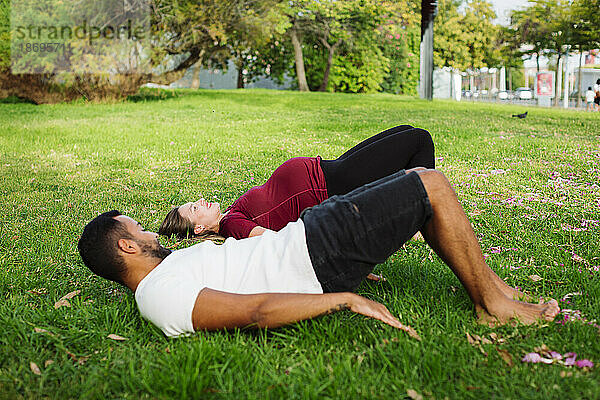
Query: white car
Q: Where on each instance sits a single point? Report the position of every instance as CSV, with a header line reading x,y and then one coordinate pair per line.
x,y
502,95
524,93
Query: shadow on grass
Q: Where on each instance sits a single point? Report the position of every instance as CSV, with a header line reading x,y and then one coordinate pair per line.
x,y
238,96
15,100
150,94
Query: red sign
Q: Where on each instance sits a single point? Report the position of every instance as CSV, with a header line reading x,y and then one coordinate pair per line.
x,y
544,84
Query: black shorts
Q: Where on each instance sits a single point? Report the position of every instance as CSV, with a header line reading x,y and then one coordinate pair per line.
x,y
597,100
348,235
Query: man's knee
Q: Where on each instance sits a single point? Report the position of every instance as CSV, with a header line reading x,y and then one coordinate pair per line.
x,y
435,182
415,169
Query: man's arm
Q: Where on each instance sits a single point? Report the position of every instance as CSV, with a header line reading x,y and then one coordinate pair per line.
x,y
221,310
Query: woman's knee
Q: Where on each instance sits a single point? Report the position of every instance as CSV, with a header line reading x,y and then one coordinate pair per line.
x,y
426,138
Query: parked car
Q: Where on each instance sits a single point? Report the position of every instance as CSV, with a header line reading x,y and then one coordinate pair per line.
x,y
467,93
575,93
503,95
523,93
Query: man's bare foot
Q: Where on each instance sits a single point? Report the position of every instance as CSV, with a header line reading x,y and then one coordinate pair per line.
x,y
506,310
484,318
515,294
510,292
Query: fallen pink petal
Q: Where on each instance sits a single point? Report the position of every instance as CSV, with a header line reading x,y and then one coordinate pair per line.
x,y
555,355
570,358
584,363
532,358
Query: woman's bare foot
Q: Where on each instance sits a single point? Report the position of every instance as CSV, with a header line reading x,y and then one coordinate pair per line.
x,y
507,310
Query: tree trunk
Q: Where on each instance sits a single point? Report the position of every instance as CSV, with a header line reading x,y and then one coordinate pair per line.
x,y
300,74
509,80
240,80
331,51
580,88
537,61
196,76
240,71
556,84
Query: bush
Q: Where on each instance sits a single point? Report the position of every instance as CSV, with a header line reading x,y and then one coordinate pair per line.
x,y
401,47
361,71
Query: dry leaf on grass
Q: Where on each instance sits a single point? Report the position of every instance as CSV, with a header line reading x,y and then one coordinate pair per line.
x,y
535,278
116,337
484,340
506,357
64,301
79,360
471,340
70,295
48,363
38,291
34,368
41,330
413,394
476,339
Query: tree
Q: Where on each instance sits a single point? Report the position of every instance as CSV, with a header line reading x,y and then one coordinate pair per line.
x,y
338,23
184,33
300,16
465,40
209,32
399,39
109,70
4,35
511,56
586,32
531,31
561,37
255,29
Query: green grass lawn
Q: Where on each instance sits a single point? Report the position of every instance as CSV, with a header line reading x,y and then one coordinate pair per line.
x,y
530,188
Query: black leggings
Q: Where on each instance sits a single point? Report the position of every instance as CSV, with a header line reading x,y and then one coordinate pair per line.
x,y
401,147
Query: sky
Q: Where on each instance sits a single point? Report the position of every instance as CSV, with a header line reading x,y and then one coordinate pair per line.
x,y
503,7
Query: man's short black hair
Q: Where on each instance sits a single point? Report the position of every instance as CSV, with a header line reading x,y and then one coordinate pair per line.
x,y
98,246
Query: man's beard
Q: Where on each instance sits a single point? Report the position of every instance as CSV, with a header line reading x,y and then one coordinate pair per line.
x,y
154,249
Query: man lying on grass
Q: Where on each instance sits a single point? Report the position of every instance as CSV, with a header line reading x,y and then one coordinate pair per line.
x,y
307,269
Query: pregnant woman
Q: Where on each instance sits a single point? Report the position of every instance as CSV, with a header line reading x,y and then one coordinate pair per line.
x,y
303,182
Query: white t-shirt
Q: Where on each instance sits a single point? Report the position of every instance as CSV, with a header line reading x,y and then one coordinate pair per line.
x,y
275,262
589,96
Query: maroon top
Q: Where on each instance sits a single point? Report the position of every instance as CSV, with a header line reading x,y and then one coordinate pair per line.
x,y
296,184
